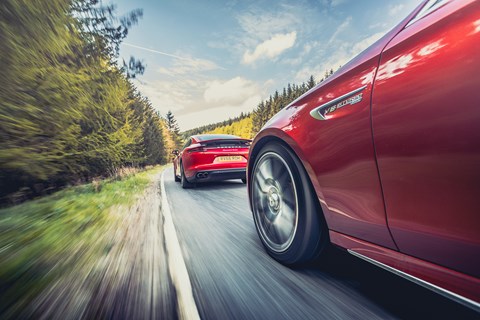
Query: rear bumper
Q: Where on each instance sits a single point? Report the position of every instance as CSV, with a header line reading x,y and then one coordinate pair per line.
x,y
218,175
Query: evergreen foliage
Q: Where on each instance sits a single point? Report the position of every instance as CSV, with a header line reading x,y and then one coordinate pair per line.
x,y
173,130
242,128
67,111
247,125
211,127
172,124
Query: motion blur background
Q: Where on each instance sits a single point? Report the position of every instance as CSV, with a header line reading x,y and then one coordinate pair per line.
x,y
89,119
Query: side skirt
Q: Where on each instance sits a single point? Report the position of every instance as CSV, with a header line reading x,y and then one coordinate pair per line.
x,y
449,283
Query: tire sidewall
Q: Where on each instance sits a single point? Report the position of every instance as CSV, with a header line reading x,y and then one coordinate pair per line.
x,y
308,234
183,179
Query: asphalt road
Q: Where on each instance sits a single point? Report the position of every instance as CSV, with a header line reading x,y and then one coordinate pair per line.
x,y
234,278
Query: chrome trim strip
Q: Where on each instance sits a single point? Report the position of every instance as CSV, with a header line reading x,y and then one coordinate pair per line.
x,y
444,292
316,112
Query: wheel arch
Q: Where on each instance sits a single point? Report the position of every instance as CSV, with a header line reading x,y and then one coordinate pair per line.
x,y
278,136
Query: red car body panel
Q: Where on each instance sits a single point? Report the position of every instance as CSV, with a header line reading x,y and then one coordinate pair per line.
x,y
426,120
445,278
400,169
205,160
201,155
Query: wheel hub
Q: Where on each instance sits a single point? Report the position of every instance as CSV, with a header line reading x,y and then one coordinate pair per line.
x,y
274,199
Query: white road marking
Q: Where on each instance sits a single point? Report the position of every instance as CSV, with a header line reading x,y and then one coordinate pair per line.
x,y
187,308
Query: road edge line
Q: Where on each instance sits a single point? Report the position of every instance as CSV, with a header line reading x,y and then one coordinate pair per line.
x,y
176,264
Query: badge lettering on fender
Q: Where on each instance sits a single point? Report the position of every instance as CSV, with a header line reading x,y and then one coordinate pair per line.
x,y
350,101
353,97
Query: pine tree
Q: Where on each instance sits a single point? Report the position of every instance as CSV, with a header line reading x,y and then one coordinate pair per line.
x,y
311,82
68,111
174,129
172,122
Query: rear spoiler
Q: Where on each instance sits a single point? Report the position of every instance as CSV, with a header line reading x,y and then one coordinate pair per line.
x,y
215,141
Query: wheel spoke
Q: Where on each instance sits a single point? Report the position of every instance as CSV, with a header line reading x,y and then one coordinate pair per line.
x,y
258,203
288,202
278,169
273,231
284,225
266,169
283,178
289,213
260,182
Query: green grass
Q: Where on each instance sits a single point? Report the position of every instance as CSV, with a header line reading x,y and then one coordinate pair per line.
x,y
44,238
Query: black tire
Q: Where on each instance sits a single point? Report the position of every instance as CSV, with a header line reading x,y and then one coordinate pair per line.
x,y
244,180
287,214
175,177
183,180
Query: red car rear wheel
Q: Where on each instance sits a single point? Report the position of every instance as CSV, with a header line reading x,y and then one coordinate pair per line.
x,y
183,180
175,177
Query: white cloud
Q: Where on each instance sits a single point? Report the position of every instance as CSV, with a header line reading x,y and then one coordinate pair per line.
x,y
293,61
395,9
345,24
221,113
307,49
183,67
258,25
270,48
318,68
332,3
169,94
340,55
378,25
336,3
182,64
232,92
365,43
198,101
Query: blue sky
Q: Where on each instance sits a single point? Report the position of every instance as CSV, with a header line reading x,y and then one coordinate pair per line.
x,y
211,60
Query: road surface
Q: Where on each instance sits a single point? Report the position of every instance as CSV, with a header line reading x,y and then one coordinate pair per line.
x,y
232,277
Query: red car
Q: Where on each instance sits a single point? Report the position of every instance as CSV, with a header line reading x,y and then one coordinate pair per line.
x,y
211,157
383,158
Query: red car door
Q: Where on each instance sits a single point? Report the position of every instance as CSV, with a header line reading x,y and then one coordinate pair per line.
x,y
339,147
426,125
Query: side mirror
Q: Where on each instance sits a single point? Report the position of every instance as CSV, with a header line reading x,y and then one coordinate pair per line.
x,y
175,152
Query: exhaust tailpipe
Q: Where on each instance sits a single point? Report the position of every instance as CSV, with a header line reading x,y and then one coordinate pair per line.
x,y
202,175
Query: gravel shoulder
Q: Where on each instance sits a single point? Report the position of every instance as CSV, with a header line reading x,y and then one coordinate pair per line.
x,y
130,281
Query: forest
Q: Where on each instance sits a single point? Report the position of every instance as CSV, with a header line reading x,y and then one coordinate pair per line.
x,y
69,110
247,125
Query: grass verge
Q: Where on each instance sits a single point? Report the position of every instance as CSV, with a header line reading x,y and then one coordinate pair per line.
x,y
45,238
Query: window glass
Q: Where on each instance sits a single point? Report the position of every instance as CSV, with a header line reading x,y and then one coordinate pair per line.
x,y
430,6
189,142
206,137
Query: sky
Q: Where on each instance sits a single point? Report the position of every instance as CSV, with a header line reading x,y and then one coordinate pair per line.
x,y
207,61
